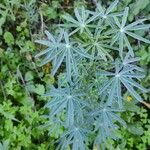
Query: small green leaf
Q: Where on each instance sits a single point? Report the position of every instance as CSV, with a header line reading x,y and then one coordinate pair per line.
x,y
135,130
29,76
9,39
39,89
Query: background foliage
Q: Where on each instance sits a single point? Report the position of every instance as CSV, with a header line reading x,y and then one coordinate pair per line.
x,y
22,82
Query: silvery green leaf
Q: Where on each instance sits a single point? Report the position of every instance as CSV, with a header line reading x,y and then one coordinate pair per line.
x,y
121,121
129,46
80,52
112,6
134,23
117,22
43,52
105,123
139,27
43,42
81,21
115,39
70,113
124,18
100,8
50,56
79,18
105,73
59,62
119,92
5,145
70,19
75,136
92,18
121,42
50,36
120,35
112,93
131,90
105,86
135,84
124,75
138,37
65,100
68,63
133,75
107,13
128,60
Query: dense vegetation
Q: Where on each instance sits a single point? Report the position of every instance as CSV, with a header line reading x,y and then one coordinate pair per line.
x,y
23,83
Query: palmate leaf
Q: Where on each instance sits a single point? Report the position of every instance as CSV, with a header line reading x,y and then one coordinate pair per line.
x,y
124,75
68,100
106,14
128,61
98,45
106,118
62,50
74,137
81,22
54,47
124,30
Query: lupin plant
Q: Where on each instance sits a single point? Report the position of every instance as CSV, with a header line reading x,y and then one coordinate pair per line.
x,y
99,67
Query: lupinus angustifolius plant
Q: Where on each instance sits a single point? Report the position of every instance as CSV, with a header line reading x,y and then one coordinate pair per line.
x,y
99,67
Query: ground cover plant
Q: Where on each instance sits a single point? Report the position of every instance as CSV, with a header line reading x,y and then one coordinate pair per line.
x,y
74,75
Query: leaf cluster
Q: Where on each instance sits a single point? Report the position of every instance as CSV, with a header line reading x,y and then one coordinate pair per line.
x,y
84,42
